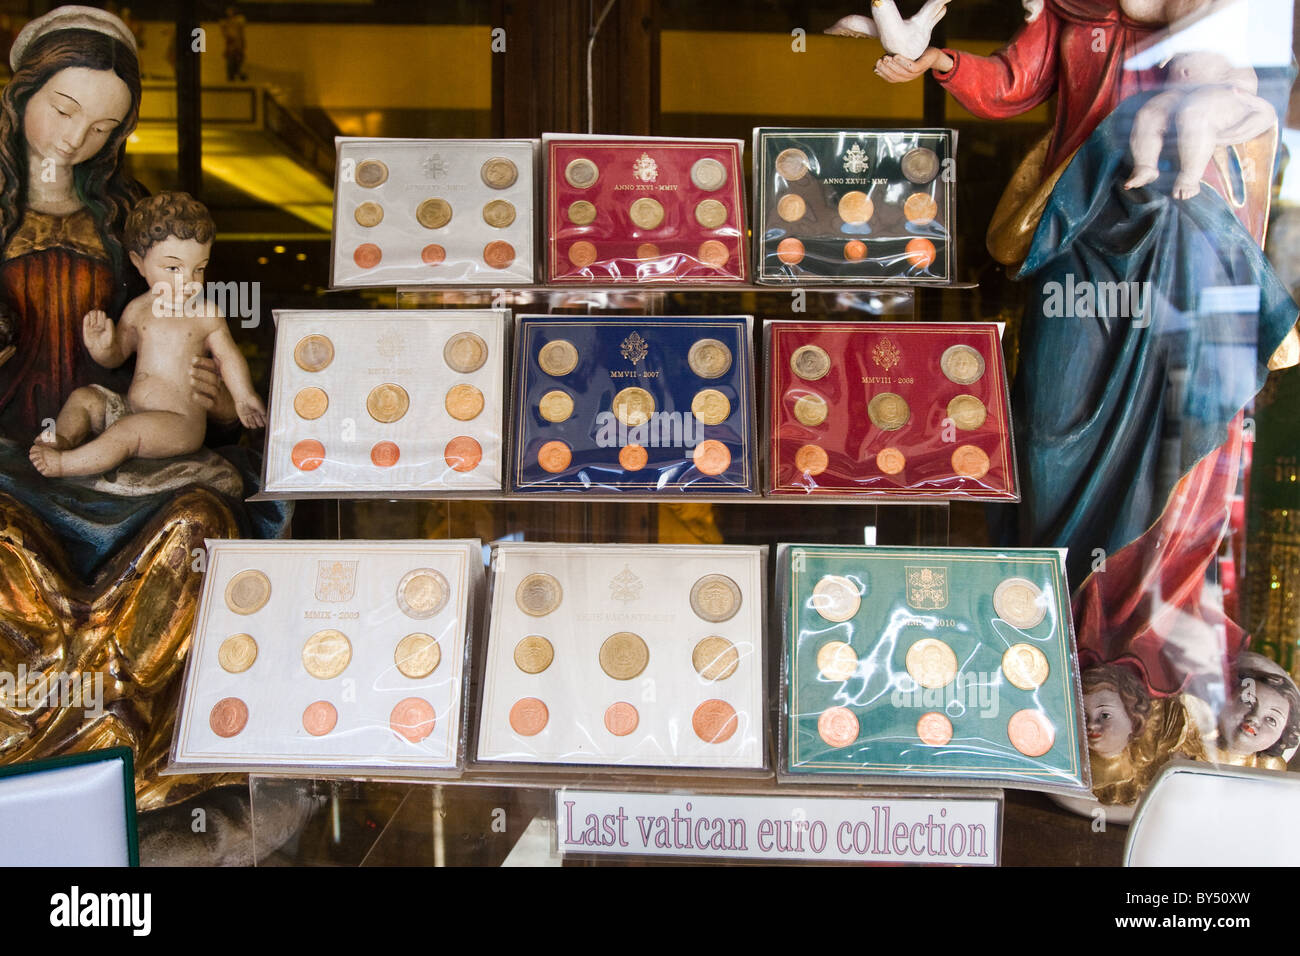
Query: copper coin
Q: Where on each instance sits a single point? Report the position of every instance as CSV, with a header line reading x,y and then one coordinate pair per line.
x,y
710,213
836,598
582,253
433,213
465,352
369,214
538,594
962,364
920,165
554,456
837,726
709,358
633,406
1030,733
555,406
708,174
307,455
417,655
462,454
967,412
499,254
326,654
1020,603
558,357
920,253
888,411
710,406
920,208
412,718
367,255
791,208
934,729
422,593
385,454
811,410
581,173
498,213
1026,666
931,663
790,251
715,598
715,721
534,654
713,252
387,403
228,717
811,459
715,658
433,254
248,591
647,250
498,173
370,173
313,353
837,661
582,213
633,457
855,207
311,403
855,250
810,362
528,717
646,213
237,653
621,718
792,164
463,402
970,462
890,461
624,655
319,718
711,457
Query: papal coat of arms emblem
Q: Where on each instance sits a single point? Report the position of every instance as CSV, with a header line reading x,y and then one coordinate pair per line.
x,y
886,354
434,166
626,586
634,348
855,160
645,168
336,581
927,588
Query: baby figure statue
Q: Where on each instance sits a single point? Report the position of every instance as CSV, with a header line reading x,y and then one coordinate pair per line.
x,y
169,239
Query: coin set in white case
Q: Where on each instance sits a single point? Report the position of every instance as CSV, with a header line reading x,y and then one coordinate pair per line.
x,y
433,211
646,655
325,657
384,402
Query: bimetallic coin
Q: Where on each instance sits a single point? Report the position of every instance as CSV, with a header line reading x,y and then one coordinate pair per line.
x,y
555,406
962,364
934,729
307,455
369,214
534,654
558,357
715,598
855,250
713,252
528,717
462,454
228,717
837,726
891,461
646,213
1020,602
837,661
582,253
792,164
920,165
623,655
554,456
931,663
385,454
465,352
463,402
811,410
1026,666
920,253
412,718
313,353
582,213
633,457
970,462
710,213
715,658
715,721
433,213
367,255
581,173
417,655
248,591
710,406
711,457
498,254
498,213
311,403
810,362
791,208
709,358
967,412
422,593
812,460
499,173
326,654
836,598
920,208
319,718
790,251
633,406
1030,733
370,173
538,594
708,174
237,653
888,411
855,207
387,403
621,719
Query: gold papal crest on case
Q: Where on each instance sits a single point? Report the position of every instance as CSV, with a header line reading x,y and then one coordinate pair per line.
x,y
634,348
927,588
886,354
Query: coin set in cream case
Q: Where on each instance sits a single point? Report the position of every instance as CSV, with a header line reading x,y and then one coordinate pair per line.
x,y
328,657
386,403
956,664
433,211
625,655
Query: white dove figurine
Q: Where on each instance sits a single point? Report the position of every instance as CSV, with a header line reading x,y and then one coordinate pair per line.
x,y
907,37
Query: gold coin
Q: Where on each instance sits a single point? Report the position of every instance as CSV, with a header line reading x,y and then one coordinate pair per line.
x,y
313,353
709,358
708,174
810,362
962,364
715,658
556,406
311,403
888,411
934,729
1030,733
791,208
582,213
465,352
498,213
370,173
920,165
417,655
623,655
710,406
1020,603
710,213
931,663
558,357
327,654
581,173
920,208
1025,666
837,661
836,598
387,403
715,598
433,213
792,164
538,594
369,214
237,653
633,406
967,412
248,592
422,593
811,410
855,207
499,173
969,461
647,213
534,654
463,402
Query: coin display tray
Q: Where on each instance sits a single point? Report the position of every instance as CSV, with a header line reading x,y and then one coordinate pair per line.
x,y
908,595
613,354
905,359
350,587
403,347
606,590
806,228
461,251
628,169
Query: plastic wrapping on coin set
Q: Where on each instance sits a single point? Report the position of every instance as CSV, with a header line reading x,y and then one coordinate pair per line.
x,y
955,665
331,658
640,658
